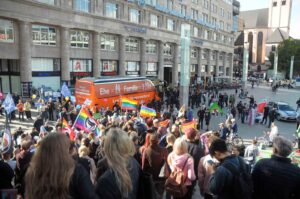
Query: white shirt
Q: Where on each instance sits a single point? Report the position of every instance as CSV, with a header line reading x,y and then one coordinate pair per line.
x,y
273,133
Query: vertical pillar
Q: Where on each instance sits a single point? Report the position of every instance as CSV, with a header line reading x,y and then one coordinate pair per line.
x,y
292,67
65,54
275,64
96,54
231,67
245,64
25,58
209,61
217,64
199,62
224,64
143,68
175,67
161,60
122,71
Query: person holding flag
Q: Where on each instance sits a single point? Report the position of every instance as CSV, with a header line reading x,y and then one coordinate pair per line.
x,y
9,107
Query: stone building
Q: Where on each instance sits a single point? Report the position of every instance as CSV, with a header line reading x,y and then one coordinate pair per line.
x,y
265,28
47,42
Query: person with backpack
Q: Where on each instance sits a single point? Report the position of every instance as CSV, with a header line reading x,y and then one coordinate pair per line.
x,y
277,177
231,179
179,183
195,149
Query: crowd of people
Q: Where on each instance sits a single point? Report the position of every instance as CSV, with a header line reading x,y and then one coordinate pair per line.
x,y
46,163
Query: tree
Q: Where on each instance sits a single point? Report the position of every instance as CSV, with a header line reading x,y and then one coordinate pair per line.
x,y
286,49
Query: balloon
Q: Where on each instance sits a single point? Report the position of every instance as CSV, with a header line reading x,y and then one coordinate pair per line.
x,y
67,98
33,96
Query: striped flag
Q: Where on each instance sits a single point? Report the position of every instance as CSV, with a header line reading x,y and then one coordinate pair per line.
x,y
147,112
128,104
67,129
191,124
164,123
86,122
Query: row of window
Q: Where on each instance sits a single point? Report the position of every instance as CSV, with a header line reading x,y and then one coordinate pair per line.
x,y
107,66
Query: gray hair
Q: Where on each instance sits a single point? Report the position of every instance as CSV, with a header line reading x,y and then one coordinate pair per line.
x,y
282,146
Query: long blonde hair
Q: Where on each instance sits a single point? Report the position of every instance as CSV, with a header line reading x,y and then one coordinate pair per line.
x,y
50,170
118,147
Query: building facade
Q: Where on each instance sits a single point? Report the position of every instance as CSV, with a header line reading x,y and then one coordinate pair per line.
x,y
265,28
47,42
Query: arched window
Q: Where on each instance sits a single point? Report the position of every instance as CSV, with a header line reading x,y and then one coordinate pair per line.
x,y
260,36
250,40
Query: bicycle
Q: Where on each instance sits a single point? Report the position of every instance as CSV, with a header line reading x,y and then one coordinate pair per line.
x,y
264,140
234,139
295,141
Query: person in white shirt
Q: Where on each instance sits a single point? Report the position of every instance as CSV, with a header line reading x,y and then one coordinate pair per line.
x,y
274,132
251,152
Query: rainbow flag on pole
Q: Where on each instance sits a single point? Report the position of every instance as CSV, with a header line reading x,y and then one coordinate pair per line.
x,y
86,122
128,104
147,112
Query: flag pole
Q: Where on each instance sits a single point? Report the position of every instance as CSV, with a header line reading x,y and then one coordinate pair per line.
x,y
76,118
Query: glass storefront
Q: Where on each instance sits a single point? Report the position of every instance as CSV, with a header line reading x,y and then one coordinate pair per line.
x,y
109,67
80,68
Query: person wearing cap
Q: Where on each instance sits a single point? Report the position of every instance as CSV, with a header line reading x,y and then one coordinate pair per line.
x,y
195,149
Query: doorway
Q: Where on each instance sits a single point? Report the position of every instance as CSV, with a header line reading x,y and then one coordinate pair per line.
x,y
168,74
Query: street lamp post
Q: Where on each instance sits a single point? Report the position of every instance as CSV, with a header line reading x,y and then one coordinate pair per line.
x,y
245,64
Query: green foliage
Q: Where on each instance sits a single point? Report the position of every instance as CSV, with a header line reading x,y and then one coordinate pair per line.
x,y
286,49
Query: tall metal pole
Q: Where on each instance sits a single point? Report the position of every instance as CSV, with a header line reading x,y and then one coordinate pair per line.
x,y
275,64
185,65
292,68
245,65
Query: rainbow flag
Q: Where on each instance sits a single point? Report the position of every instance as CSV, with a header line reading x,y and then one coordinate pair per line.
x,y
191,124
128,104
86,122
147,112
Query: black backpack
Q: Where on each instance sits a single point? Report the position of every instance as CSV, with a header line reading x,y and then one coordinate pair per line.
x,y
242,186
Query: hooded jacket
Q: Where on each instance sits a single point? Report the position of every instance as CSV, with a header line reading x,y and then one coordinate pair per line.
x,y
178,161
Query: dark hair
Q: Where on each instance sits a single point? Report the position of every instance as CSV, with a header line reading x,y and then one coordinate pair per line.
x,y
217,145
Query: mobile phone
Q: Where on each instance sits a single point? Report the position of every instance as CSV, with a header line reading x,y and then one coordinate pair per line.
x,y
210,162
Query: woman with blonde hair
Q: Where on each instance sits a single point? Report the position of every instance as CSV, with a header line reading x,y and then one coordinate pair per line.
x,y
54,174
122,178
180,159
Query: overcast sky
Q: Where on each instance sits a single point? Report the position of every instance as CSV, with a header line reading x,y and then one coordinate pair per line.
x,y
295,18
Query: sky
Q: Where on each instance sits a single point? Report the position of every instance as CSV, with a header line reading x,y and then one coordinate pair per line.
x,y
295,18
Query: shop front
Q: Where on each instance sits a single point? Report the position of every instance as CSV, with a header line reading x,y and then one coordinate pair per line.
x,y
151,70
46,73
109,68
132,68
10,76
80,68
